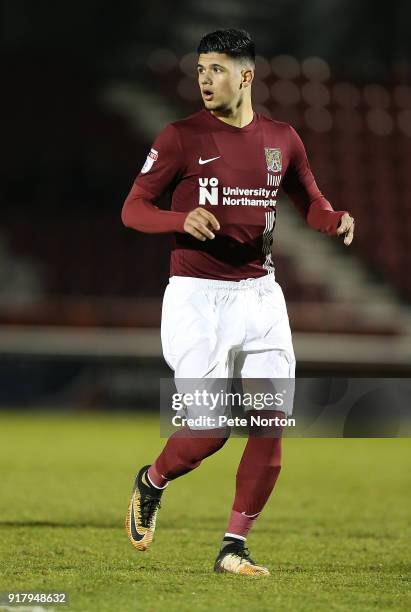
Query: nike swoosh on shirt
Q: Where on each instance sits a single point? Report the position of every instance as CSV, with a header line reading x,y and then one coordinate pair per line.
x,y
205,161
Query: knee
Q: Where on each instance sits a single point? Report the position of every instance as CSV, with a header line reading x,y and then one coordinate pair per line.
x,y
266,452
219,443
208,446
273,458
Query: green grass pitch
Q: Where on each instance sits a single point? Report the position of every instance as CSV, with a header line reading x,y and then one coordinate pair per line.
x,y
335,533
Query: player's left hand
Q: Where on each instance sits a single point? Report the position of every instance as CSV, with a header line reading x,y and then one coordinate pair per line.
x,y
346,226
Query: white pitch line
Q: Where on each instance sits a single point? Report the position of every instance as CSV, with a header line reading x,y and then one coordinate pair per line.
x,y
26,609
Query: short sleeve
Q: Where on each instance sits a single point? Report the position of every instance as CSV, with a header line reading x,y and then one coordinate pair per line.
x,y
163,165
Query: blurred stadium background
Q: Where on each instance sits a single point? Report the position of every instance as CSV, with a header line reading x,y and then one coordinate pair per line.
x,y
87,86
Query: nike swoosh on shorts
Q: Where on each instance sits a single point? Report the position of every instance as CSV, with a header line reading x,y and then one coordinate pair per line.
x,y
205,161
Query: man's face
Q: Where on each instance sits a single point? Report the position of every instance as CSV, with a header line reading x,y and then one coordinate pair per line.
x,y
221,81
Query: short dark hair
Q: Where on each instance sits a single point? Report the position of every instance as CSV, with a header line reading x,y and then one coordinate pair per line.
x,y
234,43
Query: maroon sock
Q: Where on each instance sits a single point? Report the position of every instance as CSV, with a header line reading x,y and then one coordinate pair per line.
x,y
240,524
184,451
257,474
155,478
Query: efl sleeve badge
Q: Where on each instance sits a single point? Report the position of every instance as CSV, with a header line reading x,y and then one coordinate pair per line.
x,y
151,158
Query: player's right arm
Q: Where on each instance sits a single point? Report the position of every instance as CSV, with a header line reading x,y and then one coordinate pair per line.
x,y
164,165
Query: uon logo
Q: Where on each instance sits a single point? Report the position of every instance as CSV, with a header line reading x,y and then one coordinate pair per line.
x,y
208,191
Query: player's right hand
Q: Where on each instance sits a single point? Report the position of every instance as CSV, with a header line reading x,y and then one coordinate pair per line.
x,y
199,223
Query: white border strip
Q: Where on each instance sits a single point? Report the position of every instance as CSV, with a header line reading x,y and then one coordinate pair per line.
x,y
135,342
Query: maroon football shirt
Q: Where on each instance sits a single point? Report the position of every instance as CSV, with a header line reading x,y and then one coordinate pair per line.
x,y
235,173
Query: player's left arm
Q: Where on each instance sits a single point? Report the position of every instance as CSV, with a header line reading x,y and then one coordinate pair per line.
x,y
300,185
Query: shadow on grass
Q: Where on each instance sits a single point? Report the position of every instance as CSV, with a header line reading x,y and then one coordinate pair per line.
x,y
212,526
67,524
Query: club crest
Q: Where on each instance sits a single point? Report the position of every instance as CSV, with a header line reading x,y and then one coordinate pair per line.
x,y
273,159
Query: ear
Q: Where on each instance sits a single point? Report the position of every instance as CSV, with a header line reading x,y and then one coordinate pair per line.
x,y
247,75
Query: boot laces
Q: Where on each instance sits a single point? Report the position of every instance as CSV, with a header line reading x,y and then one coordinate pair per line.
x,y
148,509
244,553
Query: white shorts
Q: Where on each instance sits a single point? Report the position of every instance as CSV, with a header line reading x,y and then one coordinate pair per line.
x,y
227,329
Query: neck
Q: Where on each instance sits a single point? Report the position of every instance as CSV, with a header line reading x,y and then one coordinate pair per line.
x,y
238,117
